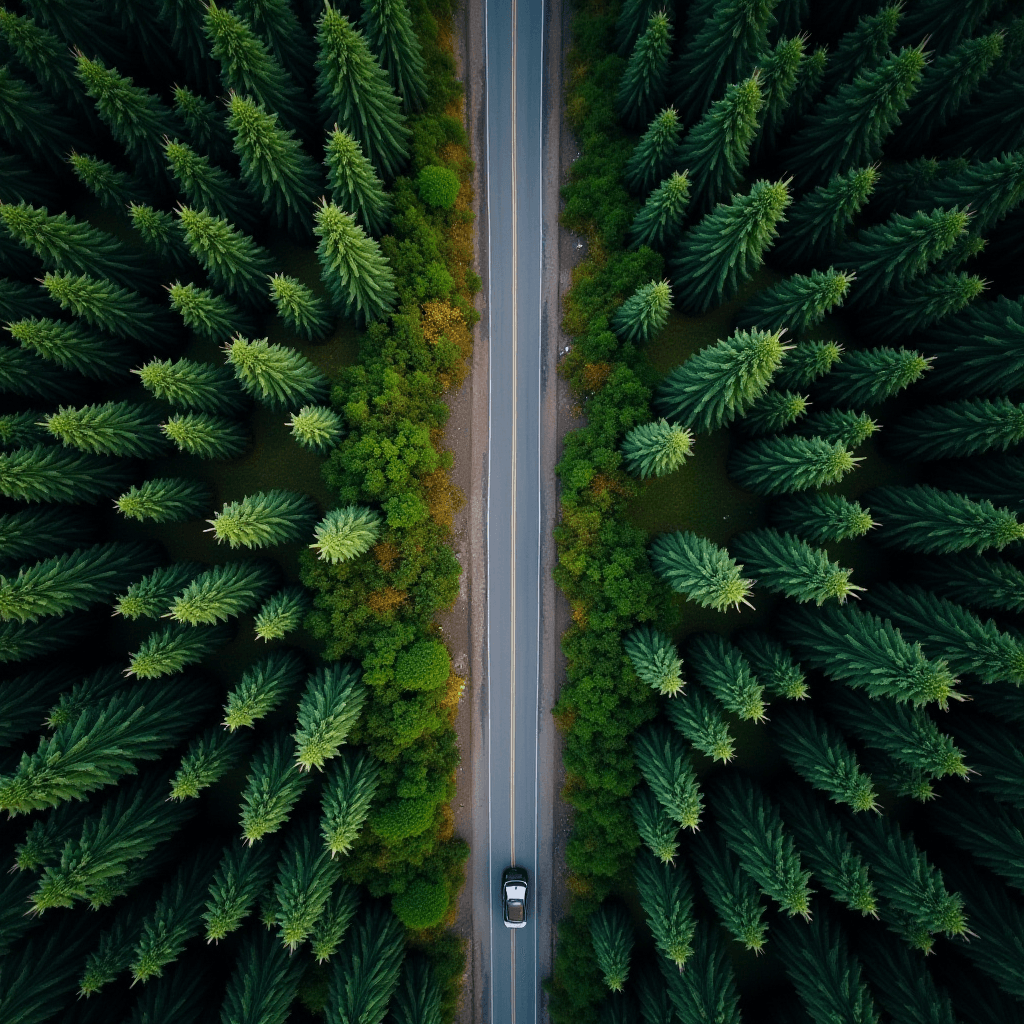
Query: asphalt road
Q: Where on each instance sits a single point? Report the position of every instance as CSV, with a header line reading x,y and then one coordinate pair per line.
x,y
514,85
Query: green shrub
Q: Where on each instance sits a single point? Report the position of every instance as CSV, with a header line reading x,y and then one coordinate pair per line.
x,y
438,186
422,905
424,666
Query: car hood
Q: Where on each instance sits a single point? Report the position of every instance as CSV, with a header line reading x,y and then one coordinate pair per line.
x,y
515,892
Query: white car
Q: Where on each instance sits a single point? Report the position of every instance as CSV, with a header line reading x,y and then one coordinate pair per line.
x,y
514,884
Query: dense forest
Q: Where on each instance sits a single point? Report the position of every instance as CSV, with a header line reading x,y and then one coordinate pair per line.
x,y
791,525
235,244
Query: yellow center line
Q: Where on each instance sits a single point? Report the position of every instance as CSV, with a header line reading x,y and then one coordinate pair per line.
x,y
515,339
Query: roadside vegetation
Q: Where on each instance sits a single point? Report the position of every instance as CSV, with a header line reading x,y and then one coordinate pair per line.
x,y
790,529
235,247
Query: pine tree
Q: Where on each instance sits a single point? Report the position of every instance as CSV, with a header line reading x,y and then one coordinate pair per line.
x,y
659,222
667,900
723,49
174,647
644,313
264,519
22,429
24,700
865,46
243,874
366,970
333,922
187,384
149,596
707,991
822,518
354,92
357,275
870,376
780,72
989,583
723,380
232,260
206,186
206,436
29,121
727,674
203,119
842,426
784,564
656,153
165,500
932,521
264,982
727,247
905,986
809,79
72,347
208,757
282,613
274,166
354,184
328,710
906,734
867,653
805,362
125,429
827,977
113,188
72,581
731,892
96,688
817,222
113,952
417,999
655,660
262,688
274,374
316,427
51,474
41,532
753,831
949,24
222,592
644,82
612,936
301,311
784,465
776,669
773,412
350,787
798,302
272,787
23,373
656,448
208,314
958,430
662,760
703,571
161,234
849,127
346,533
698,717
631,23
992,189
657,830
387,27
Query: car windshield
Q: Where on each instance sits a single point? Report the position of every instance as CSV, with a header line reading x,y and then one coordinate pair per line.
x,y
515,910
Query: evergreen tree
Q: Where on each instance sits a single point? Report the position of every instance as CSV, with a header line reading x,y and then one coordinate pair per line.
x,y
20,642
282,613
176,917
783,465
264,519
208,757
977,581
707,991
275,375
656,448
387,27
20,300
667,900
657,152
333,922
827,849
662,760
723,49
23,703
262,688
923,303
73,581
22,429
776,669
867,653
644,313
206,436
644,82
992,189
944,26
716,150
723,380
905,986
206,186
780,72
798,302
23,373
357,275
351,784
703,571
273,165
826,975
417,999
905,734
353,182
354,92
865,46
165,500
272,787
817,221
232,260
222,592
809,79
784,564
161,234
726,248
727,674
202,118
631,23
301,311
346,533
29,121
849,127
612,936
316,427
698,717
187,384
731,892
72,347
150,596
655,660
264,982
243,874
366,970
306,874
870,376
820,755
113,188
958,430
659,222
773,412
328,710
805,362
125,429
174,647
51,474
931,521
822,518
40,533
657,830
247,67
113,952
96,688
208,314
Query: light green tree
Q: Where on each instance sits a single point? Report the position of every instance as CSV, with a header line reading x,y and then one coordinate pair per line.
x,y
346,533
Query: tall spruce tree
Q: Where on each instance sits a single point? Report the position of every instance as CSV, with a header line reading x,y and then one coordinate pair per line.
x,y
864,46
125,429
731,891
52,474
662,760
958,429
161,235
206,313
264,519
264,982
784,465
113,188
299,308
306,873
612,936
262,688
366,970
280,28
992,189
644,313
346,533
206,436
174,647
353,182
655,660
707,990
806,362
644,84
272,788
773,412
780,71
989,583
241,877
73,347
821,518
727,674
923,303
699,718
351,784
632,20
656,448
387,27
149,596
658,224
776,668
221,593
316,427
870,376
105,305
165,500
208,758
206,186
667,900
656,154
798,302
656,828
187,384
328,711
703,571
273,374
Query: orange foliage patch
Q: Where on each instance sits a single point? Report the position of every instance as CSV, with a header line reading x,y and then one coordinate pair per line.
x,y
446,829
384,602
579,614
595,375
602,483
387,555
443,498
